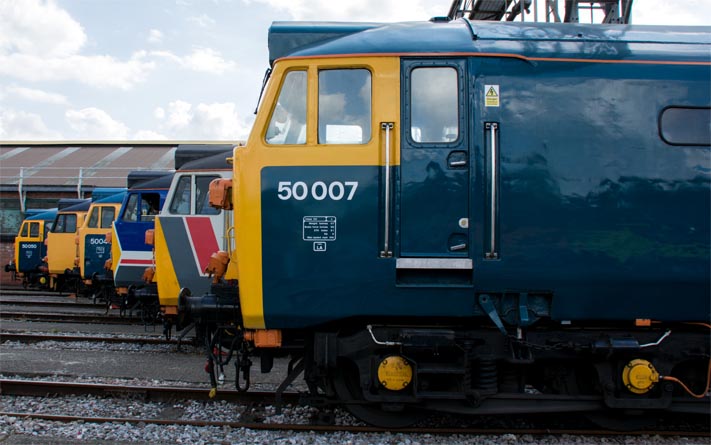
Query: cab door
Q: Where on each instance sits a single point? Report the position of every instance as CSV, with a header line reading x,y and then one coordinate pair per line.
x,y
435,166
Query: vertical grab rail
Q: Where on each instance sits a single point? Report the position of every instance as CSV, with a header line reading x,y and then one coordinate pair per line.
x,y
386,252
20,191
492,253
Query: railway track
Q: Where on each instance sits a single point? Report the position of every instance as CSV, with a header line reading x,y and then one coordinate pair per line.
x,y
16,387
35,338
54,304
69,318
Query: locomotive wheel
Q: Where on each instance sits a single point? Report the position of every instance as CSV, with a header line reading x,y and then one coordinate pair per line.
x,y
346,385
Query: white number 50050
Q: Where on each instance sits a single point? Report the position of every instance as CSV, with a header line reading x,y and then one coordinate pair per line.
x,y
319,190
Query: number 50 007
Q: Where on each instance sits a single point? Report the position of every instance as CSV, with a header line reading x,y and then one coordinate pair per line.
x,y
319,190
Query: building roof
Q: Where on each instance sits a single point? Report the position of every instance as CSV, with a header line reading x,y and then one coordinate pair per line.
x,y
57,165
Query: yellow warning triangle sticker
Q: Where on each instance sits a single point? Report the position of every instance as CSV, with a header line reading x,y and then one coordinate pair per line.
x,y
491,92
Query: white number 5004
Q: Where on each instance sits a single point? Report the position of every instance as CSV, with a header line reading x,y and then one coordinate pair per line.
x,y
319,190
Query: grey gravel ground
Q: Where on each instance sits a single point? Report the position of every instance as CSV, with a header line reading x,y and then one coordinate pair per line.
x,y
159,365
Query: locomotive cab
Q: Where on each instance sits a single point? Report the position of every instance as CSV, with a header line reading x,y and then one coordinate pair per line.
x,y
93,244
62,249
30,249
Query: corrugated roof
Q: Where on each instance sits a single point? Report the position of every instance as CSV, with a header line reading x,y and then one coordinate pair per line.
x,y
93,163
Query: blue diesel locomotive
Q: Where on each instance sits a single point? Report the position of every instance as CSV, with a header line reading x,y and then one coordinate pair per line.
x,y
474,217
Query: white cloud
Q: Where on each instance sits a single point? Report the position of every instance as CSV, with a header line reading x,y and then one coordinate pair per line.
x,y
662,12
96,71
205,60
20,125
149,135
38,28
215,121
358,10
159,113
203,21
39,41
155,36
93,123
35,95
179,114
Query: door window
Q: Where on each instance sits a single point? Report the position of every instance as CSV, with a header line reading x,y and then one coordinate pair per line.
x,y
434,105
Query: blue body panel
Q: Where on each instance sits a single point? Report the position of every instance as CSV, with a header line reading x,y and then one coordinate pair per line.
x,y
96,249
131,236
96,252
31,253
597,217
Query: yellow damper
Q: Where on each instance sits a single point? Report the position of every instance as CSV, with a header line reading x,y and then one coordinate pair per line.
x,y
639,376
394,373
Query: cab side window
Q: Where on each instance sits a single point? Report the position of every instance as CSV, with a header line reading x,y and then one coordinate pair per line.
x,y
180,204
150,204
131,211
287,124
24,230
94,218
66,223
202,203
344,106
434,105
34,229
107,217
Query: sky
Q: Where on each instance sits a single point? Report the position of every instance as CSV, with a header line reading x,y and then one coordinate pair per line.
x,y
175,69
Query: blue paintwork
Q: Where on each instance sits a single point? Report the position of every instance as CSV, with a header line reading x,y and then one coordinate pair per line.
x,y
32,253
101,193
96,249
131,235
41,214
598,217
96,252
112,199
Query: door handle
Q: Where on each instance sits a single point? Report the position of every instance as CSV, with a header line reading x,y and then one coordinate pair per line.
x,y
492,254
457,159
387,127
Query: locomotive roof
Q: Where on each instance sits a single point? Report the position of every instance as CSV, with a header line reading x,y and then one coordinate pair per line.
x,y
65,203
215,162
81,207
113,199
534,40
186,154
162,182
46,215
137,177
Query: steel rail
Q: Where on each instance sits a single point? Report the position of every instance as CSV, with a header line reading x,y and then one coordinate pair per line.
x,y
52,304
34,338
22,387
67,318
